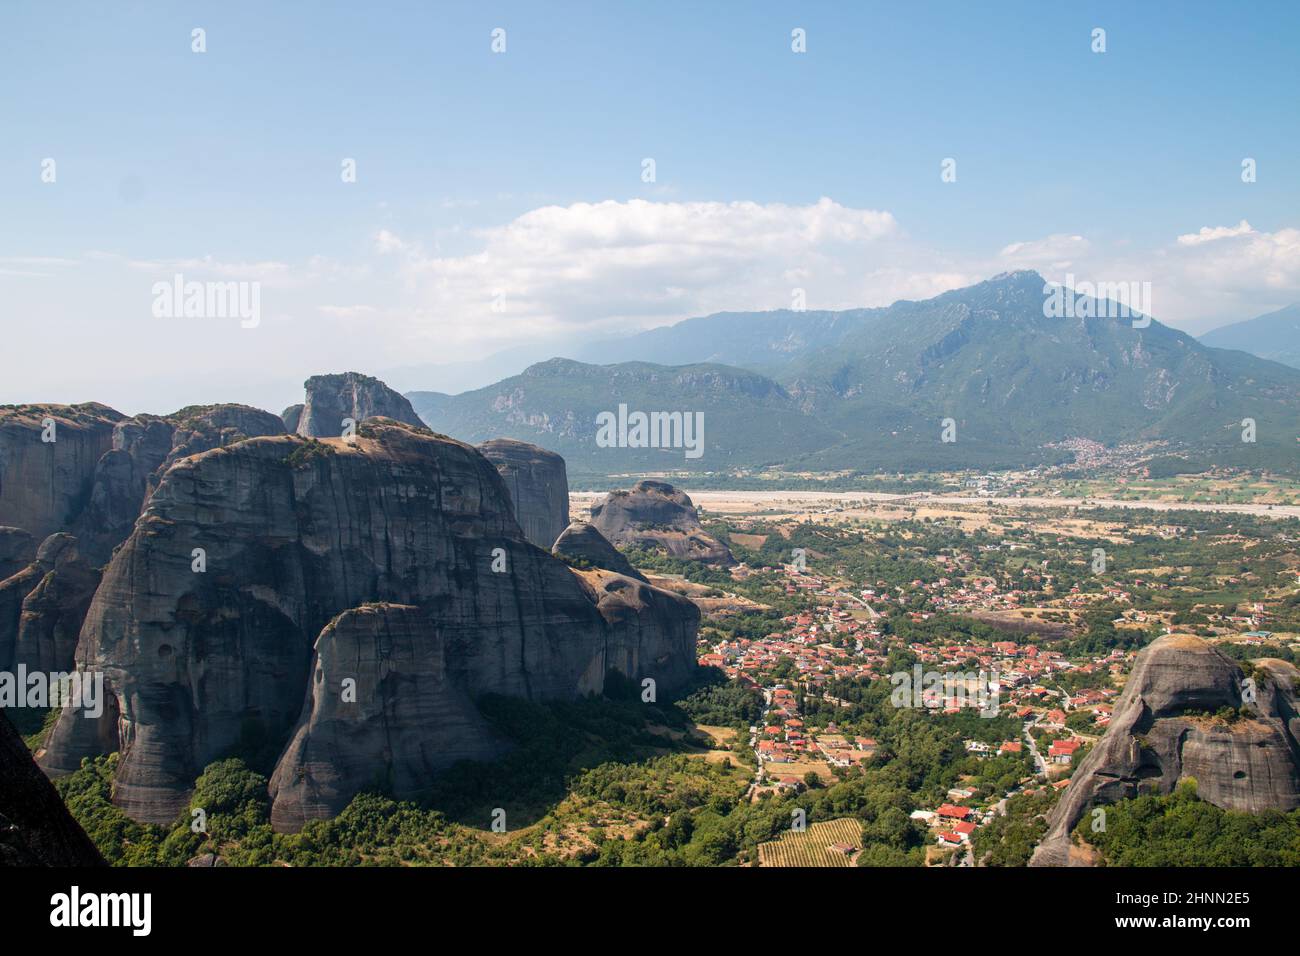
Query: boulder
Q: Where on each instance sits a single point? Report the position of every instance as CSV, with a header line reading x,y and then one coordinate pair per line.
x,y
655,516
333,398
538,485
1163,731
582,544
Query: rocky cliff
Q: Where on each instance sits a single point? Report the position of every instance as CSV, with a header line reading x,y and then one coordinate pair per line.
x,y
17,549
538,485
293,534
291,416
48,455
35,827
655,516
44,637
581,543
144,447
405,714
1163,730
333,398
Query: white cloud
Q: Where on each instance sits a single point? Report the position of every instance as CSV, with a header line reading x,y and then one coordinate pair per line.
x,y
1212,233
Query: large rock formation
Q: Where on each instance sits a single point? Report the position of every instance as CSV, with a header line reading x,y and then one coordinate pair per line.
x,y
333,398
582,544
17,549
538,485
655,516
651,631
405,715
35,827
42,607
48,455
52,612
294,533
144,447
1163,731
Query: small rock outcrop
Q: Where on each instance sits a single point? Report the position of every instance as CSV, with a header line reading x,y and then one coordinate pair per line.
x,y
538,485
655,516
36,829
17,549
291,416
350,395
582,544
48,455
299,536
406,715
1164,729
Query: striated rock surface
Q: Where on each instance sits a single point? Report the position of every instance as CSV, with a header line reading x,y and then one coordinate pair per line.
x,y
16,588
655,516
1161,732
582,543
538,485
36,829
333,398
291,416
44,485
651,631
144,447
51,614
17,549
296,532
407,720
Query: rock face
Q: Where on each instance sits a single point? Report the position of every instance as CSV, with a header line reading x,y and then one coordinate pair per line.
x,y
407,717
296,534
1160,733
35,827
333,398
45,484
582,543
17,549
52,612
144,447
291,416
538,485
652,631
655,516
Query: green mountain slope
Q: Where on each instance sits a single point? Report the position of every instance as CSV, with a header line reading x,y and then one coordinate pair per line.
x,y
1275,336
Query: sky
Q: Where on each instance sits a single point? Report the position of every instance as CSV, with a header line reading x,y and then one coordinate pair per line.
x,y
403,197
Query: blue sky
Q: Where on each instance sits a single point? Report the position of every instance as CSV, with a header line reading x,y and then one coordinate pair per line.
x,y
226,164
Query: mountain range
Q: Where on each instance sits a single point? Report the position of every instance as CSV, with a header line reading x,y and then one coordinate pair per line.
x,y
873,389
1273,336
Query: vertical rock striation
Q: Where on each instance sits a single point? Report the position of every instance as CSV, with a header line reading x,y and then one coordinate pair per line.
x,y
1163,731
655,516
349,395
298,536
538,485
45,484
